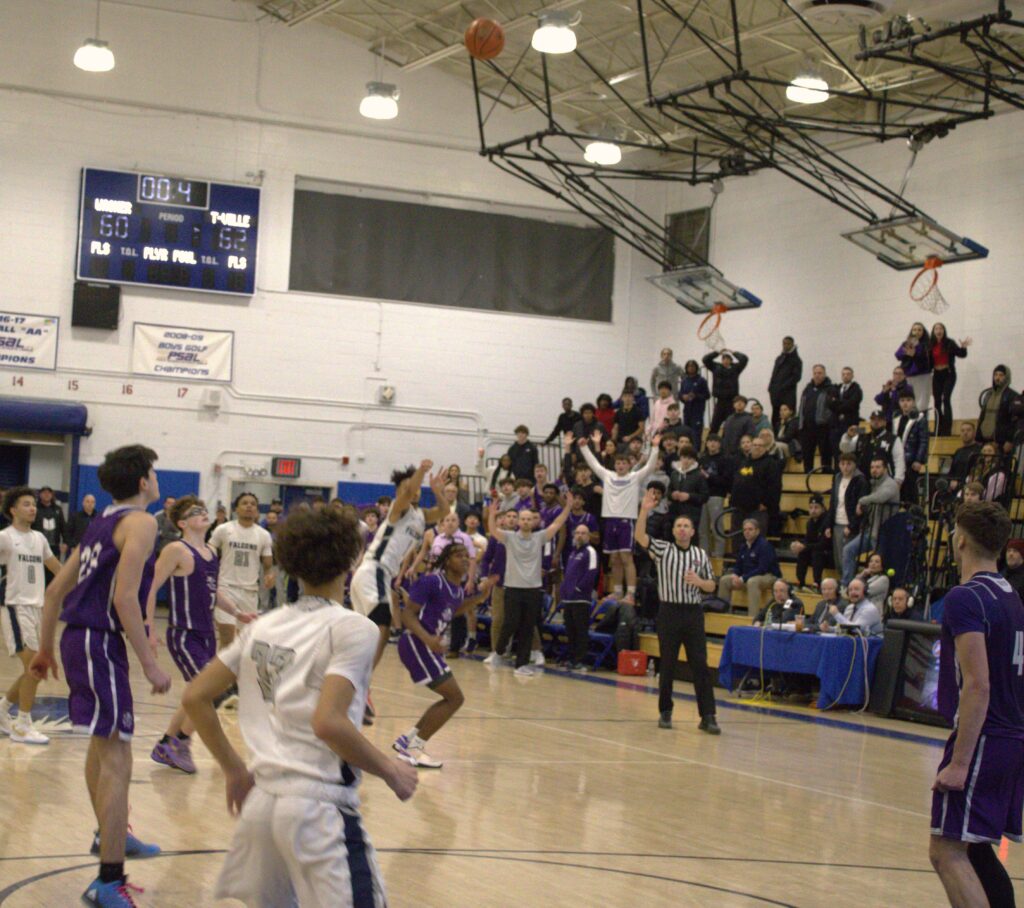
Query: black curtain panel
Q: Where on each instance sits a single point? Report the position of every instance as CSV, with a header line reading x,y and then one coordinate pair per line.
x,y
357,246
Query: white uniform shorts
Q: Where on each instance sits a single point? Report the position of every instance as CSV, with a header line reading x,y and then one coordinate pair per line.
x,y
370,592
290,851
244,600
21,627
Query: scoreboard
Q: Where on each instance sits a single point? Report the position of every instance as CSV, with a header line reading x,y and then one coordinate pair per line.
x,y
167,231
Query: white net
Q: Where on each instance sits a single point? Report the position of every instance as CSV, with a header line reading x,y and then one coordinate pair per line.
x,y
925,291
715,341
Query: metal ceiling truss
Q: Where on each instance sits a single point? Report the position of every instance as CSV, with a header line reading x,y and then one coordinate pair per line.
x,y
742,110
732,123
998,68
551,159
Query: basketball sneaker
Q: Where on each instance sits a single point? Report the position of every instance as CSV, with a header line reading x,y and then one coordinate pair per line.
x,y
118,894
537,658
524,671
493,660
413,751
6,723
24,732
134,847
176,753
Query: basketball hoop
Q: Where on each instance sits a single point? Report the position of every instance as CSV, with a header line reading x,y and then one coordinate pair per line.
x,y
924,289
708,331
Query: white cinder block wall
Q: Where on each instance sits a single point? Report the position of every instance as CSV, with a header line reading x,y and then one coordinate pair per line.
x,y
203,89
843,307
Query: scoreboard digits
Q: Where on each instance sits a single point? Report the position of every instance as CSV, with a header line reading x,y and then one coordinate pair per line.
x,y
167,231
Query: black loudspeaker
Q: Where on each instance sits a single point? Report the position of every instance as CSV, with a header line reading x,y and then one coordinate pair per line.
x,y
96,306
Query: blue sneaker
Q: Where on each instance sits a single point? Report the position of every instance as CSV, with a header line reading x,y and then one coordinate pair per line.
x,y
133,847
118,894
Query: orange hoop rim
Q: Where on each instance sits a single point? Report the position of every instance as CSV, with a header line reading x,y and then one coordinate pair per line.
x,y
716,313
931,267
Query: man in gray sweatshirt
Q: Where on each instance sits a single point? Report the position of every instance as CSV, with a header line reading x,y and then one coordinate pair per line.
x,y
875,507
666,370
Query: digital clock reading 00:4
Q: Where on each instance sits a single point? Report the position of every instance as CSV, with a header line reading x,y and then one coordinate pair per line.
x,y
167,231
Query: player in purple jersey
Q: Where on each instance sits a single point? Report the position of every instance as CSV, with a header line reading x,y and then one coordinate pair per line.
x,y
102,587
550,508
979,789
191,566
429,607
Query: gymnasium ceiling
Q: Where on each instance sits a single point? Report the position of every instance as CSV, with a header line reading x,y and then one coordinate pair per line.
x,y
412,35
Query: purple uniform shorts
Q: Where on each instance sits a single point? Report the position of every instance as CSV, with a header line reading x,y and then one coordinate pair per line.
x,y
96,668
424,666
617,534
991,804
190,650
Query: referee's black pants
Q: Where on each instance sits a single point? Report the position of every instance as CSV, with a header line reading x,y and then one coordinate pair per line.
x,y
681,624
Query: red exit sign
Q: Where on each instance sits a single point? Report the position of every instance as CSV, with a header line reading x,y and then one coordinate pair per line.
x,y
286,467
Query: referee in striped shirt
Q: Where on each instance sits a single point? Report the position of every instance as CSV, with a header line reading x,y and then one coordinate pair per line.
x,y
684,573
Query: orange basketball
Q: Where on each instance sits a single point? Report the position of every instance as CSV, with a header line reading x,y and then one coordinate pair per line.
x,y
484,39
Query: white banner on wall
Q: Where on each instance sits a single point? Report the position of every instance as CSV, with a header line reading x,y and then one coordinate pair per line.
x,y
28,341
185,354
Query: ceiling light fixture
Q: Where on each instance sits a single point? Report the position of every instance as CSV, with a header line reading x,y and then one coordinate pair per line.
x,y
554,34
95,56
807,88
381,101
602,153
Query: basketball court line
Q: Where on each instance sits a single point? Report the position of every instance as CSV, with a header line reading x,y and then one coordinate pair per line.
x,y
761,708
673,758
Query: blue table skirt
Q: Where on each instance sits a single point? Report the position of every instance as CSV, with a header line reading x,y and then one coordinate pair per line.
x,y
825,655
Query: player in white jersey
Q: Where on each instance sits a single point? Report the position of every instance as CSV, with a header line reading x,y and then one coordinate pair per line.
x,y
24,552
246,551
396,536
302,671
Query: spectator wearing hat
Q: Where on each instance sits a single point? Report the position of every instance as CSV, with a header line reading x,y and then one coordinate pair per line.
x,y
879,442
814,549
995,422
1014,570
725,385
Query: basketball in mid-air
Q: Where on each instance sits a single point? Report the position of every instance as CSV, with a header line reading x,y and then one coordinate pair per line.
x,y
484,39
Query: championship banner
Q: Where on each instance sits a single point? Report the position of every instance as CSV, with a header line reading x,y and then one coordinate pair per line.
x,y
185,354
28,341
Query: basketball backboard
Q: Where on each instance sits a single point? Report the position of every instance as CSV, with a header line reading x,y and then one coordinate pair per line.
x,y
908,242
700,288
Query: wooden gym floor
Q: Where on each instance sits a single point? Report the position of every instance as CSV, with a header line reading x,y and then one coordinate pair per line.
x,y
555,792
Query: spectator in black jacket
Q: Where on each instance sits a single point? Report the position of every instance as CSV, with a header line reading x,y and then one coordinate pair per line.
x,y
567,419
688,489
757,487
718,469
586,426
789,432
675,426
944,353
524,454
782,608
725,384
964,457
629,421
80,521
911,428
844,402
996,422
849,485
815,549
50,522
738,424
889,397
816,419
786,375
693,394
823,610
